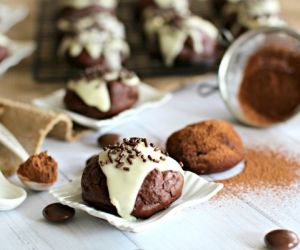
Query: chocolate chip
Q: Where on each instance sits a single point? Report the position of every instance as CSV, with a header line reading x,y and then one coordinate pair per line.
x,y
281,239
57,212
108,139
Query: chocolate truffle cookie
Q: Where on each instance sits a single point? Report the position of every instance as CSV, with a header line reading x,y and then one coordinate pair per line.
x,y
133,179
95,47
186,39
207,147
102,95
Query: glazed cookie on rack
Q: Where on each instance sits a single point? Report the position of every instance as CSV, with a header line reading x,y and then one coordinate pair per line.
x,y
133,179
95,47
102,21
4,50
102,95
73,9
187,39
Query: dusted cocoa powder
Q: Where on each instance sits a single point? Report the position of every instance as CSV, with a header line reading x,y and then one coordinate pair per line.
x,y
265,169
270,89
40,168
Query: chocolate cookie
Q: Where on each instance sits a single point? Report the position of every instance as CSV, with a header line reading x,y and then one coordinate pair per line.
x,y
119,92
181,39
207,147
158,191
95,47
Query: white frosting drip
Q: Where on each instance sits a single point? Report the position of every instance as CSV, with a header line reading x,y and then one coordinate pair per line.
x,y
104,20
261,7
94,92
97,43
181,6
254,14
78,4
4,41
172,38
123,186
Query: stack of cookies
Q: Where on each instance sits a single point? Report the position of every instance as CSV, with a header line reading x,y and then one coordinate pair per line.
x,y
91,34
175,34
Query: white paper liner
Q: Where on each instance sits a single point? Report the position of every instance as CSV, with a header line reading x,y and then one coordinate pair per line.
x,y
10,15
196,190
149,97
17,52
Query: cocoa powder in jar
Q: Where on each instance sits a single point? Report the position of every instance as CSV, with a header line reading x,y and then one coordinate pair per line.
x,y
270,88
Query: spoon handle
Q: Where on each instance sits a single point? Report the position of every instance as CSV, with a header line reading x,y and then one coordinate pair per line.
x,y
9,140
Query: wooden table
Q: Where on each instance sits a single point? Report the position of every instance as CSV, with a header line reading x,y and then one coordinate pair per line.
x,y
231,224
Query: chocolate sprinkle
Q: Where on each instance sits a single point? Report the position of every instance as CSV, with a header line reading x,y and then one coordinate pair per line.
x,y
127,151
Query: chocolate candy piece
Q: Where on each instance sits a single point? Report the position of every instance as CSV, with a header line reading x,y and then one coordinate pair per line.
x,y
57,212
281,240
108,139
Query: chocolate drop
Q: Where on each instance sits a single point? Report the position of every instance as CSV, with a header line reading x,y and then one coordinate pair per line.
x,y
57,212
108,140
281,240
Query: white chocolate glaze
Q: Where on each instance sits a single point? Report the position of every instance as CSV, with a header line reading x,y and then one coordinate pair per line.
x,y
97,43
258,13
94,91
4,41
123,186
102,20
181,6
78,4
172,38
261,7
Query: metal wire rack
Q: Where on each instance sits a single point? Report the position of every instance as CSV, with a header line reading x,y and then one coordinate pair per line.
x,y
48,67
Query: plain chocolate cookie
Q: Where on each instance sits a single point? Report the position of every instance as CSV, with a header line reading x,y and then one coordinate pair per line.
x,y
122,97
158,191
207,147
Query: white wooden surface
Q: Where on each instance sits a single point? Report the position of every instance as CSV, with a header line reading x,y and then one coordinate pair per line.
x,y
238,224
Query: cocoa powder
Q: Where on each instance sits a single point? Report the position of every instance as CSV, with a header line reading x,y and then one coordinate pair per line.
x,y
265,169
270,89
40,168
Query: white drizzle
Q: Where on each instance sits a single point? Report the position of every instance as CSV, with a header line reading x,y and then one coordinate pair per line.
x,y
94,92
97,43
104,20
172,38
78,4
4,41
253,14
123,186
181,6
